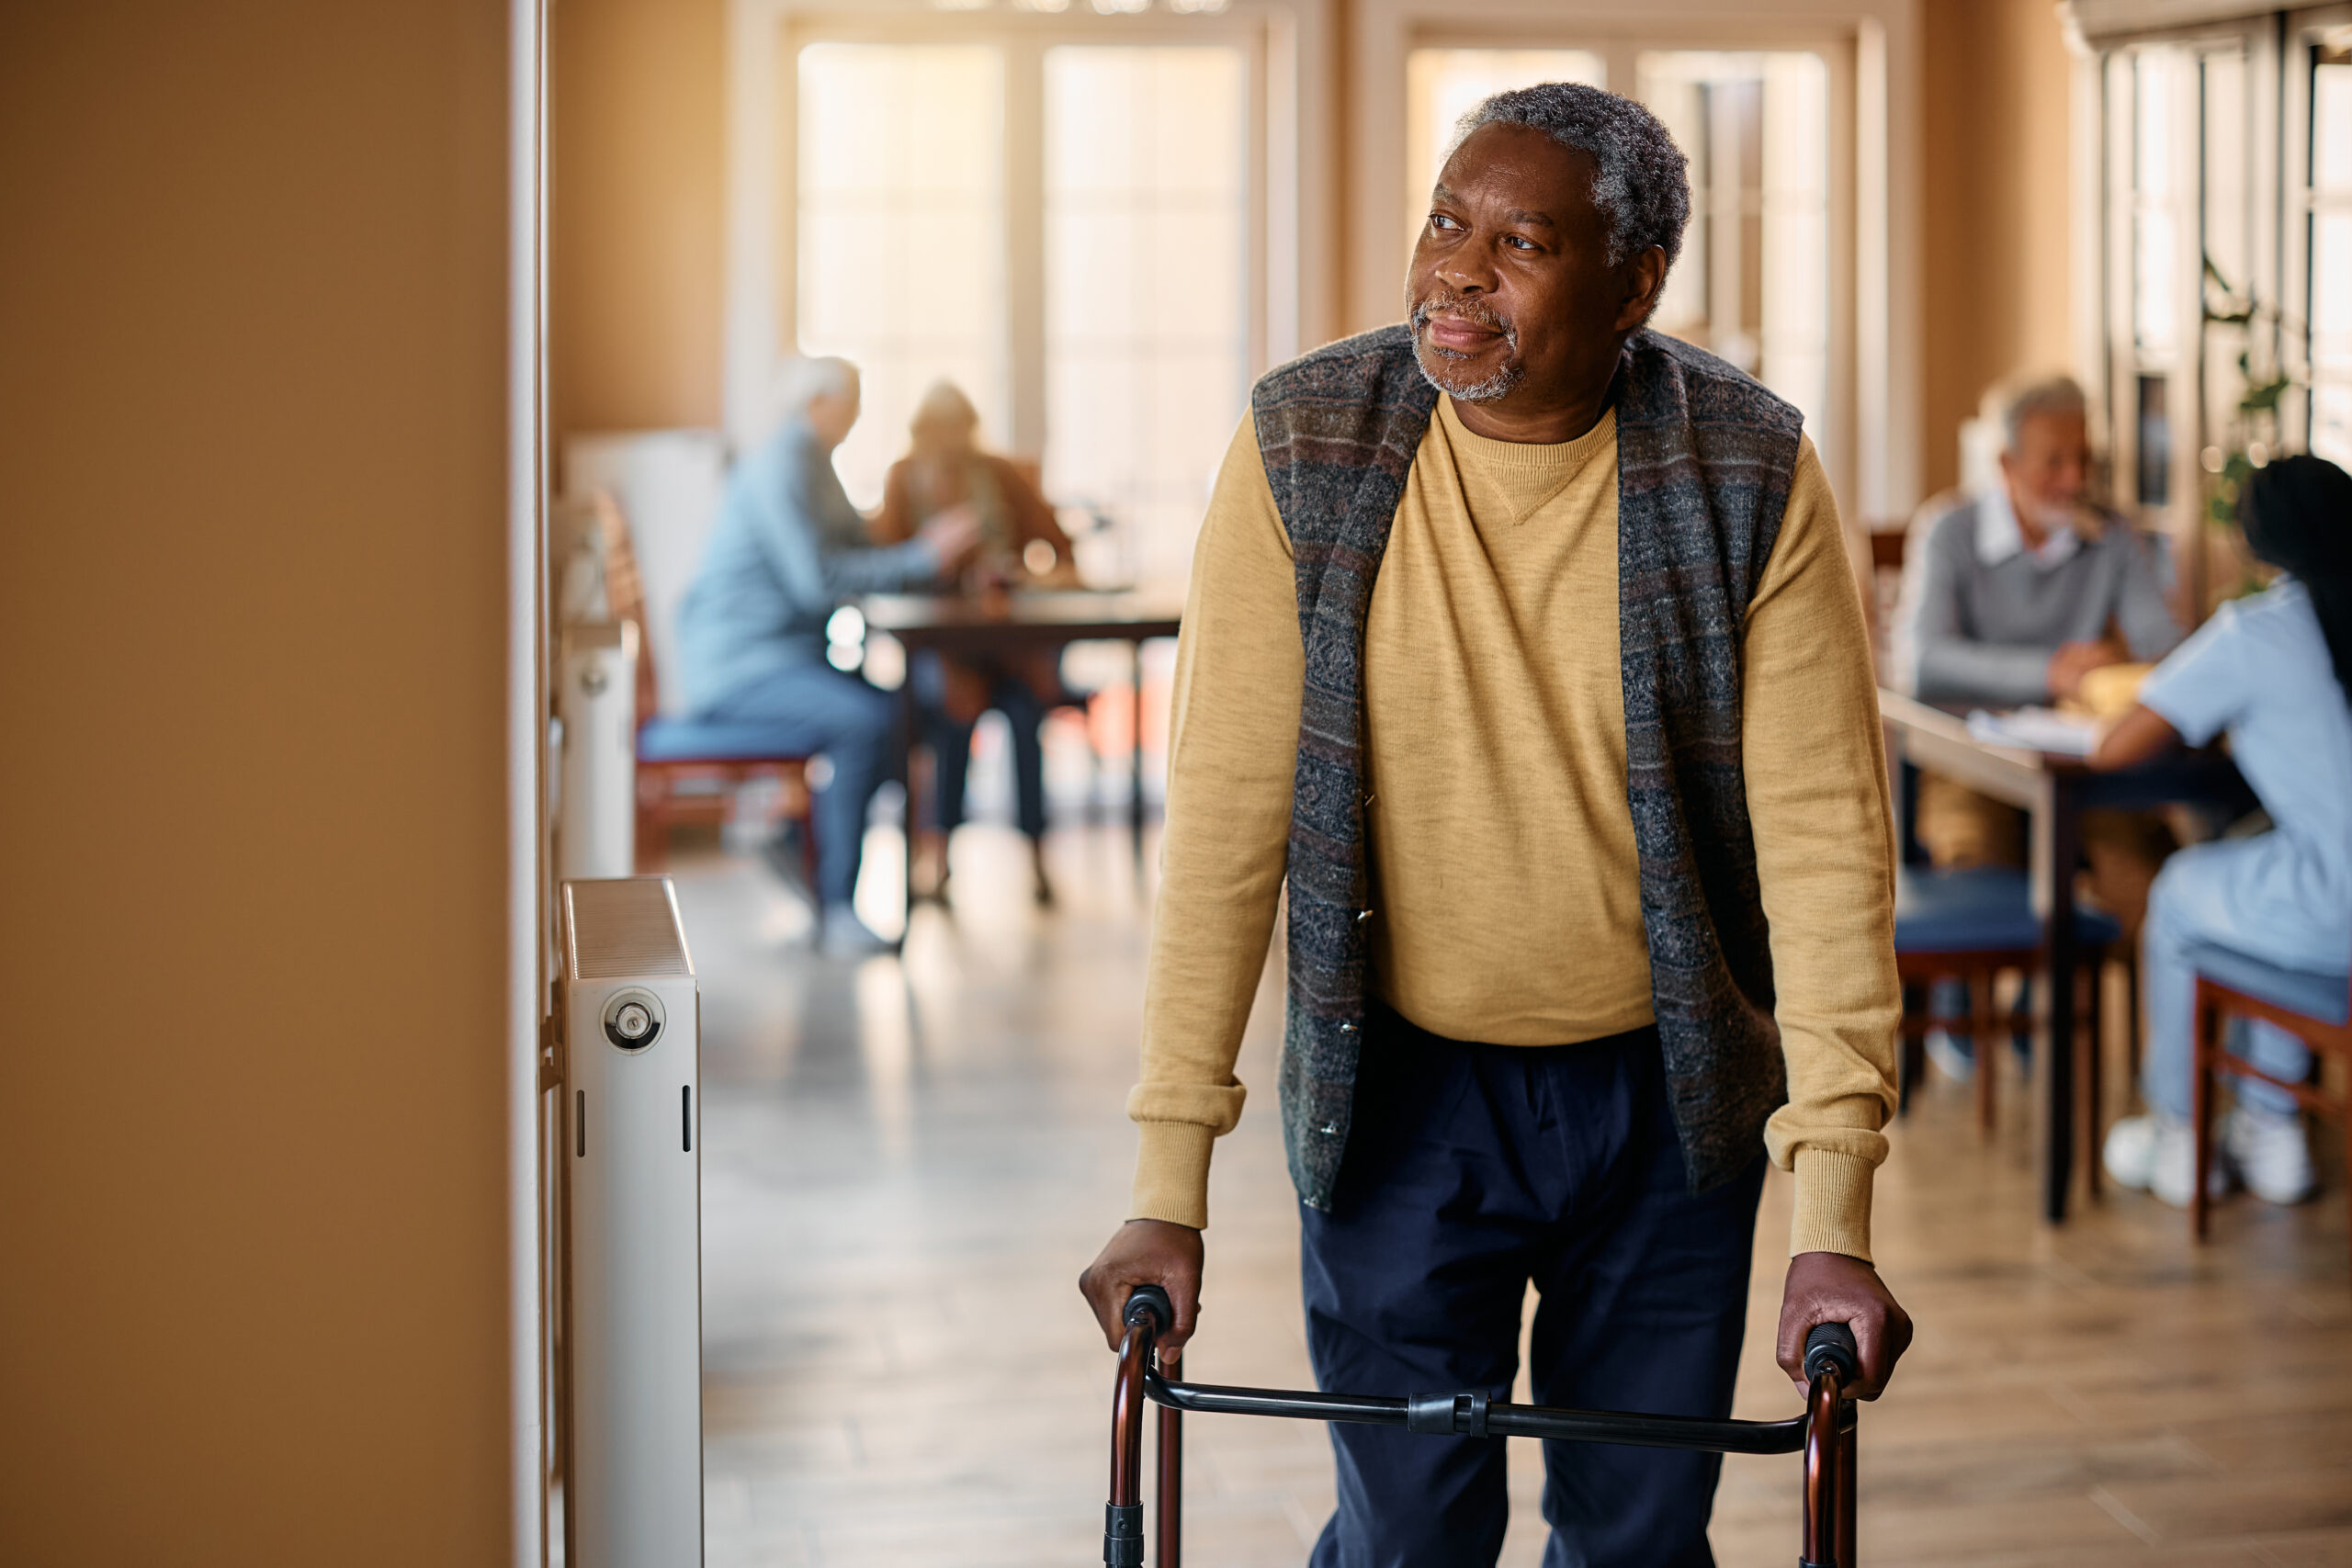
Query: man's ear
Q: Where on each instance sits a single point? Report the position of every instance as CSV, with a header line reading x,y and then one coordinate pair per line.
x,y
1643,278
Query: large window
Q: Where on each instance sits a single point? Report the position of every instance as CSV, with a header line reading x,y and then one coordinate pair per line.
x,y
1065,229
1146,265
2226,164
902,231
1753,282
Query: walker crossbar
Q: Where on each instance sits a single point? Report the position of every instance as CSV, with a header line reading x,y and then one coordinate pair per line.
x,y
1475,1415
1825,1433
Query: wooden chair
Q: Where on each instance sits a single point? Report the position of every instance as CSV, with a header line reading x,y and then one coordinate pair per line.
x,y
2315,1008
1970,925
688,770
1879,568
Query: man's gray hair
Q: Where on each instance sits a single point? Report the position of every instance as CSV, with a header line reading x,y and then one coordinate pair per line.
x,y
801,381
1641,183
2012,403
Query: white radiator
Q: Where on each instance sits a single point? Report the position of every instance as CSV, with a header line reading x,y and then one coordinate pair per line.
x,y
596,797
630,1023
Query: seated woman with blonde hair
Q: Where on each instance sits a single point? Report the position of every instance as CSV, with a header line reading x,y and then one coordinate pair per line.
x,y
1019,543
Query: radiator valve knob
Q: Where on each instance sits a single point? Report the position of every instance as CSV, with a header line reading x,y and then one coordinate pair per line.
x,y
633,1019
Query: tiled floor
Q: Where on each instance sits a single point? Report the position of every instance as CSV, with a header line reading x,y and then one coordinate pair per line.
x,y
908,1162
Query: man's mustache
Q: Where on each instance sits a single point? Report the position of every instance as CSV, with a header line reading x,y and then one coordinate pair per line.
x,y
1469,308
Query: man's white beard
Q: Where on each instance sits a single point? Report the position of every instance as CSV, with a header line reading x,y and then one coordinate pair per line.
x,y
1498,383
2052,517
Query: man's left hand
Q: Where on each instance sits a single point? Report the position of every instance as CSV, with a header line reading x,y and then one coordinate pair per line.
x,y
1829,1287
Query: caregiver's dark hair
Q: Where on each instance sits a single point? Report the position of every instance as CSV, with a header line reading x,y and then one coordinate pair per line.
x,y
2297,513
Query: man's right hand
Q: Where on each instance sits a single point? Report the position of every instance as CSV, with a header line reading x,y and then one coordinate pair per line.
x,y
1146,1252
953,535
2076,660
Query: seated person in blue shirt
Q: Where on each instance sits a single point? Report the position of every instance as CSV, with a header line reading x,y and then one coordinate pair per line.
x,y
787,549
2272,671
2009,598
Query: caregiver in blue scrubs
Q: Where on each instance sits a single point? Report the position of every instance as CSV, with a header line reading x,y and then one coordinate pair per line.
x,y
2271,672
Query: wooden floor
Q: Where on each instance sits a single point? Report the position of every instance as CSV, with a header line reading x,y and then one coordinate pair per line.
x,y
907,1164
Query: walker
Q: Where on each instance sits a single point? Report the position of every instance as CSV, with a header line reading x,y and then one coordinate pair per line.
x,y
1825,1433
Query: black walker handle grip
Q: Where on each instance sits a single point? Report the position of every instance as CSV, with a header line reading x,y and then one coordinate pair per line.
x,y
1149,1300
1831,1344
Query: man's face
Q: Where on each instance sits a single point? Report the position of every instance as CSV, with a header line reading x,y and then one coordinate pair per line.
x,y
831,414
1510,295
2049,469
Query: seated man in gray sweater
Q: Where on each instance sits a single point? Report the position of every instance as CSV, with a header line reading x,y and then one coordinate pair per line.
x,y
2011,596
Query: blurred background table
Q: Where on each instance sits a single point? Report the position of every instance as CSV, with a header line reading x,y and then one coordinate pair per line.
x,y
1024,621
2054,792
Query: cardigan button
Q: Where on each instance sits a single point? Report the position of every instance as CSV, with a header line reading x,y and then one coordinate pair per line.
x,y
1330,1129
1363,914
1346,1029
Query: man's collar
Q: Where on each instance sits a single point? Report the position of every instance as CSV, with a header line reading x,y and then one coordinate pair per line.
x,y
1999,535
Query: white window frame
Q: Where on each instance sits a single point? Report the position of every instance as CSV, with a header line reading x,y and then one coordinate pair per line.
x,y
2277,89
1872,425
1286,50
2301,29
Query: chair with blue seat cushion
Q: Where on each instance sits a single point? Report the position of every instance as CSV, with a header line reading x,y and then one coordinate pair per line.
x,y
689,770
2314,1008
1969,925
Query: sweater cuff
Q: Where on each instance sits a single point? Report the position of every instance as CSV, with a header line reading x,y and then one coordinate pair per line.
x,y
1172,1173
1833,1204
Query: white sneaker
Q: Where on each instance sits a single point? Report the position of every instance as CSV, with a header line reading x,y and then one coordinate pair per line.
x,y
2155,1154
2130,1152
1954,1057
844,935
2272,1154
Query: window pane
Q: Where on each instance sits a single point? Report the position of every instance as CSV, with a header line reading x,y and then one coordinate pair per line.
x,y
2156,282
901,239
1444,85
1752,283
1147,309
2228,179
2330,434
2330,307
2332,127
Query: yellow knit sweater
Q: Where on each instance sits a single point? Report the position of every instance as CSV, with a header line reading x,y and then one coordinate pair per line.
x,y
1504,875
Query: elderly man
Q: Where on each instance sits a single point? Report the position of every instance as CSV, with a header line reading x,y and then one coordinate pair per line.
x,y
2013,596
787,549
1521,645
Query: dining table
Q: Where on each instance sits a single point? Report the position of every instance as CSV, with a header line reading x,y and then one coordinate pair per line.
x,y
2055,790
1019,622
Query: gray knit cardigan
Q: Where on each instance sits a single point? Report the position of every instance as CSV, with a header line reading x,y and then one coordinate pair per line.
x,y
1704,458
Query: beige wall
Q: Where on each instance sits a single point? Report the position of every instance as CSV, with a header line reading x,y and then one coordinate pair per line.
x,y
253,1241
1996,213
639,219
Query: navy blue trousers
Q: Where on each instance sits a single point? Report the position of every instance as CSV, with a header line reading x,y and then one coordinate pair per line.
x,y
950,741
811,708
1472,1169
